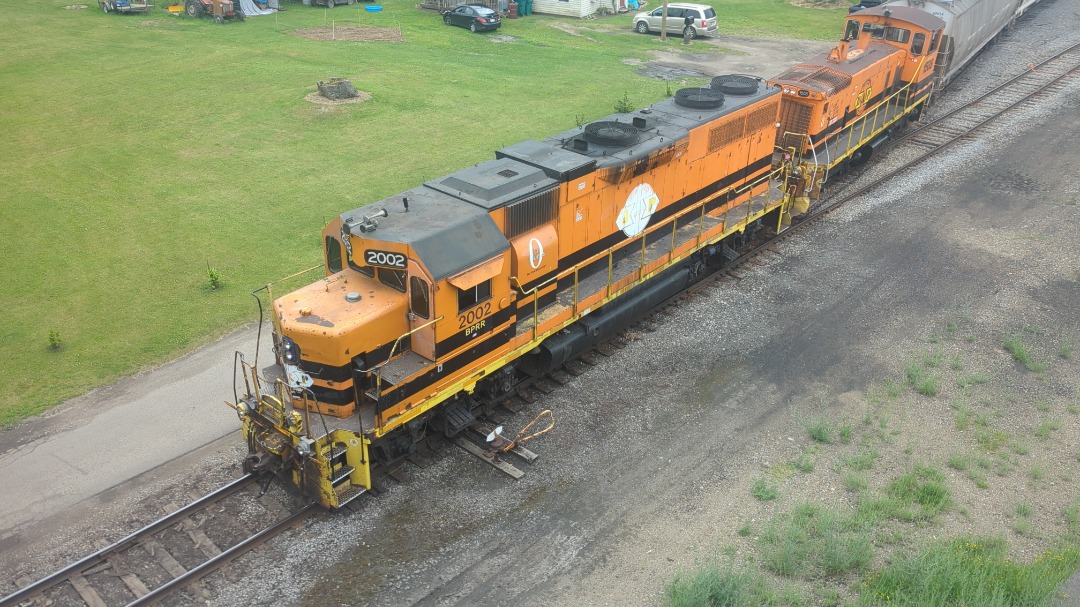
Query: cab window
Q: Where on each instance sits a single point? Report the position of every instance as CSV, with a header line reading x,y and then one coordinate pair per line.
x,y
395,279
877,31
934,41
468,298
852,30
419,297
917,43
333,254
896,34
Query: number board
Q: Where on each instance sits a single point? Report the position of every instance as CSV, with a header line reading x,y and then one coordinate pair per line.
x,y
384,259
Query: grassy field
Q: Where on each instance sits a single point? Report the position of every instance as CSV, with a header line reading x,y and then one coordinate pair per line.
x,y
140,149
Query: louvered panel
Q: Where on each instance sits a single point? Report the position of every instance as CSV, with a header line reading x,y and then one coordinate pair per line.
x,y
794,122
531,212
726,133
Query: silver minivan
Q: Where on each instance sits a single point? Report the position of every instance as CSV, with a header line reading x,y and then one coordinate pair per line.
x,y
703,14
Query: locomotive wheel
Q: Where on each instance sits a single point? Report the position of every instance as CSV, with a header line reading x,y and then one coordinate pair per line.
x,y
861,155
642,27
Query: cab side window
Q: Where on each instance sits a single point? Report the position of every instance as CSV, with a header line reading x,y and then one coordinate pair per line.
x,y
896,34
852,30
917,43
333,254
877,31
419,297
395,279
934,41
468,298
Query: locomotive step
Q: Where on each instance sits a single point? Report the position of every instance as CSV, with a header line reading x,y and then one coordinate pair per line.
x,y
341,474
348,494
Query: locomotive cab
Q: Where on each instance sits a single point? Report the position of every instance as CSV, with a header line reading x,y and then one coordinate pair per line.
x,y
840,106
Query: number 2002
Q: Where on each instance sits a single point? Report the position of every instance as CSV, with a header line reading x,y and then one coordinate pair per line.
x,y
382,258
474,315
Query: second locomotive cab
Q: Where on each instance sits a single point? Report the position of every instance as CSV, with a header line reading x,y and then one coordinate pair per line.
x,y
840,106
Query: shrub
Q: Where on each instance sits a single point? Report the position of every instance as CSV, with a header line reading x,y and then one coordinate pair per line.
x,y
56,342
214,278
623,104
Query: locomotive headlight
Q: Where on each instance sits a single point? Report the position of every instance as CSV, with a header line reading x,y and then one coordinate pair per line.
x,y
290,352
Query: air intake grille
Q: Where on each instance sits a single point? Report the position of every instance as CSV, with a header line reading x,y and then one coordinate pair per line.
x,y
531,212
726,133
826,78
794,123
761,119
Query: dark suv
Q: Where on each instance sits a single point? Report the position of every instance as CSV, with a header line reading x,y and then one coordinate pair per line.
x,y
865,4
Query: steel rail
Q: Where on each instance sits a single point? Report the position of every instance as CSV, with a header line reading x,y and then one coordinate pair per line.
x,y
225,557
968,130
1033,71
131,540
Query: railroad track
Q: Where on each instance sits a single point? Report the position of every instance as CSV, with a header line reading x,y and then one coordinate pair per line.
x,y
173,552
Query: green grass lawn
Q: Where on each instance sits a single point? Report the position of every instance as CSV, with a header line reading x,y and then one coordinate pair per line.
x,y
140,148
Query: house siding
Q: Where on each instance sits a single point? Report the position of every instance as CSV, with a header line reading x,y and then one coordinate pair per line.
x,y
571,8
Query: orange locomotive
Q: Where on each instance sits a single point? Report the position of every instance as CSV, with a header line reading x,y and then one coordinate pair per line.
x,y
437,301
841,106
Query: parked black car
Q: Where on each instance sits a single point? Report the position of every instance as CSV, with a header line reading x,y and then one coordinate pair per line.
x,y
865,4
476,17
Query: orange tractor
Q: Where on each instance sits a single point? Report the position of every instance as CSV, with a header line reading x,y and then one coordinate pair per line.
x,y
219,9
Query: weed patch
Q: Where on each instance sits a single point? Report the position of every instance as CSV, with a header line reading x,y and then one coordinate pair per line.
x,y
813,541
970,571
1021,353
764,491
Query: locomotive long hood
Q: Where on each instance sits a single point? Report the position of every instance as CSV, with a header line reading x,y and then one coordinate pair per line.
x,y
330,328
